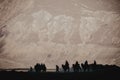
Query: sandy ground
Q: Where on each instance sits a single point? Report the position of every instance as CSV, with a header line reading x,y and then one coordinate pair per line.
x,y
52,31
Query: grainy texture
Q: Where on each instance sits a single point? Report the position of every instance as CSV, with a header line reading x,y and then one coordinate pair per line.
x,y
52,31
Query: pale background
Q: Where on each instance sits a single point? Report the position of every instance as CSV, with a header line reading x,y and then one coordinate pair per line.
x,y
52,31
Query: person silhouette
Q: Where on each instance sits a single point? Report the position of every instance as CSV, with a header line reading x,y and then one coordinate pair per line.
x,y
64,68
37,67
57,68
86,62
73,67
95,63
86,66
66,63
44,68
77,67
67,66
31,69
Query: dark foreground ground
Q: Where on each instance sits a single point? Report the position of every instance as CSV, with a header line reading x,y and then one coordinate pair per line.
x,y
60,75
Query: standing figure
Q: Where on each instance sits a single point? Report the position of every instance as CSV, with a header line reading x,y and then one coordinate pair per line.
x,y
57,68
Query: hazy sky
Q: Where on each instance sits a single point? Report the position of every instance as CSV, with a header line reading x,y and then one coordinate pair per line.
x,y
51,31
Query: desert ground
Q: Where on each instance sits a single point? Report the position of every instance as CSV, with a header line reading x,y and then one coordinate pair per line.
x,y
52,31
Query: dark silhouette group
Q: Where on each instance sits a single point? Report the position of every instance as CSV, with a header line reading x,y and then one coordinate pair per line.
x,y
66,66
85,67
40,67
76,67
76,71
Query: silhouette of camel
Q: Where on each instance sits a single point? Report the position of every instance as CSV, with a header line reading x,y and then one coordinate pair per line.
x,y
66,67
85,66
76,67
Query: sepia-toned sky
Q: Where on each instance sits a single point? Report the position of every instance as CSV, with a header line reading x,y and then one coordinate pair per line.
x,y
52,31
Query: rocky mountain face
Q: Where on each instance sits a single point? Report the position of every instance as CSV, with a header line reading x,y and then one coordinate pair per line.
x,y
52,31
